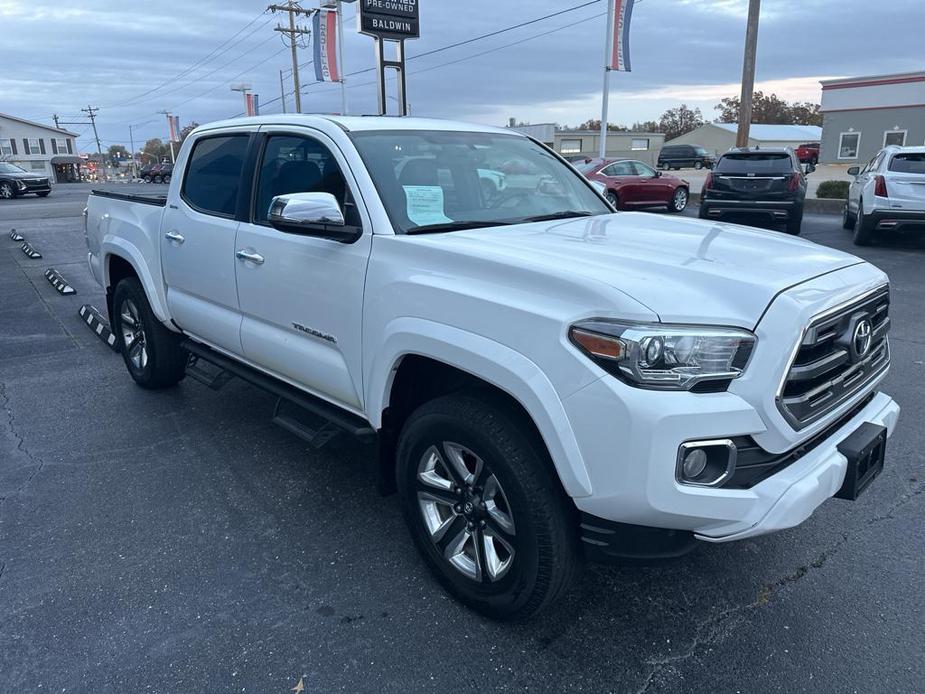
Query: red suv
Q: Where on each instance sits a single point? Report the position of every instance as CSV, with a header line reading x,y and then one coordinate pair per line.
x,y
808,153
631,184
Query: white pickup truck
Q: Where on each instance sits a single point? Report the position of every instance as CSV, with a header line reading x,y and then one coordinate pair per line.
x,y
548,380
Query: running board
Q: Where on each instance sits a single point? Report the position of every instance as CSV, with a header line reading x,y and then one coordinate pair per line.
x,y
287,394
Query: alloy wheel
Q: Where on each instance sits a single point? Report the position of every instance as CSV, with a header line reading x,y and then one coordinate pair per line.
x,y
680,199
133,335
612,198
6,191
466,512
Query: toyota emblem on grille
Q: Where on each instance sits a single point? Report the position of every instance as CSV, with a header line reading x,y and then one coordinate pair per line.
x,y
863,334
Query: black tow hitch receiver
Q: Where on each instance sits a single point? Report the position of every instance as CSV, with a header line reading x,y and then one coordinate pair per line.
x,y
865,450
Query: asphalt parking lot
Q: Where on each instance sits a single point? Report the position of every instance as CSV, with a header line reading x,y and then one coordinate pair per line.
x,y
179,542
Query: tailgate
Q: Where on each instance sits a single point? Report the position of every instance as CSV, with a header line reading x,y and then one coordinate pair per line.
x,y
906,180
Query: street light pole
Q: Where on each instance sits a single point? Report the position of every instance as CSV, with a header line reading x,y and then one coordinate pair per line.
x,y
608,47
748,73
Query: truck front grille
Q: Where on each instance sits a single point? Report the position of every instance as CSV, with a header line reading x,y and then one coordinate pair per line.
x,y
841,352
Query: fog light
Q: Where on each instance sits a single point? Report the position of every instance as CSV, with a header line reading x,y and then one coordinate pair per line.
x,y
706,463
695,462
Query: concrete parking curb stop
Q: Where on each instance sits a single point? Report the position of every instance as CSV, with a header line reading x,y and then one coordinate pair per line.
x,y
58,282
99,325
811,205
30,251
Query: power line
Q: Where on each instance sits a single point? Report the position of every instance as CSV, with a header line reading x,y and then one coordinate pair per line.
x,y
243,72
468,41
294,32
214,53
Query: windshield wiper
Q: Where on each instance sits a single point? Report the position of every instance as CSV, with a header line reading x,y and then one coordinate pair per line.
x,y
565,214
454,226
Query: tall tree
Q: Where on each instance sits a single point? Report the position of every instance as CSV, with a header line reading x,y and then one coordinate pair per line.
x,y
771,109
187,129
680,120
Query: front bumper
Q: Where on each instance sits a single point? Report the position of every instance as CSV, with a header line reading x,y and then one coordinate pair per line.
x,y
776,209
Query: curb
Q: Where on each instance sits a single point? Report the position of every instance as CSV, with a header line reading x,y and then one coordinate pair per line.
x,y
811,205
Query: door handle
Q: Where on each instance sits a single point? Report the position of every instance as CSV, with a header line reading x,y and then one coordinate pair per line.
x,y
174,236
245,254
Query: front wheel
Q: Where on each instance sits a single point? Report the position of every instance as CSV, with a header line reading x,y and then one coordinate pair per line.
x,y
6,191
698,165
484,507
166,179
847,219
152,353
678,200
43,195
864,234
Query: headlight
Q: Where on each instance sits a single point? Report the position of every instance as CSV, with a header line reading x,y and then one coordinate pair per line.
x,y
663,356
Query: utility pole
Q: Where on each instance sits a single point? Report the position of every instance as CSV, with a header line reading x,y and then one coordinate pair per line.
x,y
282,91
91,112
293,32
55,118
173,157
748,73
131,140
340,57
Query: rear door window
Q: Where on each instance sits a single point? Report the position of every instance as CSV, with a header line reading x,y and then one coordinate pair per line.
x,y
910,162
214,174
767,164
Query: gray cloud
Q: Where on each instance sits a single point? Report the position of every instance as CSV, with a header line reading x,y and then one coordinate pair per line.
x,y
102,53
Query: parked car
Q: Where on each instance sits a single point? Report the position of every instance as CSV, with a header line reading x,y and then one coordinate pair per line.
x,y
547,381
888,194
146,173
681,156
15,181
631,184
163,173
808,153
765,183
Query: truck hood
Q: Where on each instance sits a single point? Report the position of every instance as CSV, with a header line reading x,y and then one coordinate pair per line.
x,y
684,270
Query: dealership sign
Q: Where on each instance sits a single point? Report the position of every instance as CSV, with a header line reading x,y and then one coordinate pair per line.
x,y
390,19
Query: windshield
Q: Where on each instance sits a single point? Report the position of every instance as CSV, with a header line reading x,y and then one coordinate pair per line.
x,y
10,168
770,163
588,166
445,181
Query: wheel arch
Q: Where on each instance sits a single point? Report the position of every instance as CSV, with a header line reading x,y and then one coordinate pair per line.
x,y
420,360
122,260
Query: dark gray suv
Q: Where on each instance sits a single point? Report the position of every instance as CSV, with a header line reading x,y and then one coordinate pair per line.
x,y
680,156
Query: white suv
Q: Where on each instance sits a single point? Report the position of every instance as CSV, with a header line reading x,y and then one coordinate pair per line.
x,y
887,194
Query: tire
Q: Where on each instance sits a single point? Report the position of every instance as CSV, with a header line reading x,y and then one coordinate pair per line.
x,y
43,195
795,223
698,165
7,192
847,219
529,525
702,212
153,355
814,160
166,179
864,234
678,200
157,179
613,199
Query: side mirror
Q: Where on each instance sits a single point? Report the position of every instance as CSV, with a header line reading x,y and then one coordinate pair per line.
x,y
854,170
311,214
810,168
658,174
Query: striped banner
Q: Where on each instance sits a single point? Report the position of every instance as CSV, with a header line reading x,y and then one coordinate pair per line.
x,y
173,125
620,48
324,24
252,102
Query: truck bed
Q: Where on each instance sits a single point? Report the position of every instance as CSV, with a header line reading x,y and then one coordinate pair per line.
x,y
157,200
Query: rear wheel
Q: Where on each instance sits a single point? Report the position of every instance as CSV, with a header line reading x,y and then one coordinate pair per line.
x,y
678,200
166,179
795,223
484,507
698,165
864,234
613,199
152,353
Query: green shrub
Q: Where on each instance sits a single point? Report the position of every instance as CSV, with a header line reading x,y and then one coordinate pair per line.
x,y
833,189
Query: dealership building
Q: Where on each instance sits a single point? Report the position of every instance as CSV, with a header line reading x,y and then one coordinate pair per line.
x,y
41,149
574,143
861,115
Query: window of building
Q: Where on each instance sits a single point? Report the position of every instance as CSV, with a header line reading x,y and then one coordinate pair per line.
x,y
35,146
214,173
570,146
61,144
848,145
894,137
6,147
639,143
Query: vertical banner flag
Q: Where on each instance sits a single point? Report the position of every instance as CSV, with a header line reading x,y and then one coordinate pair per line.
x,y
173,124
620,49
325,29
252,103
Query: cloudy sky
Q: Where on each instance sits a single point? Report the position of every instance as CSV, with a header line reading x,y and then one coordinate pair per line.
x,y
135,59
